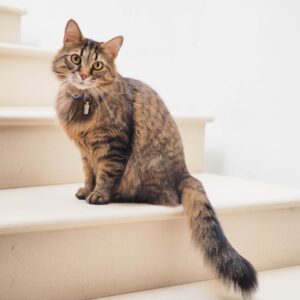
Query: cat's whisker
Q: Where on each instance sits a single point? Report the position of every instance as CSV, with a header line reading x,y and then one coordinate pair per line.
x,y
64,85
124,107
109,111
110,93
98,102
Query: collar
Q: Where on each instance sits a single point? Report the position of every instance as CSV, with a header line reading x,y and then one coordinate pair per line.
x,y
82,97
86,97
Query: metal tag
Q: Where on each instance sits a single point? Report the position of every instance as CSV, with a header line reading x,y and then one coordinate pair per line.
x,y
86,108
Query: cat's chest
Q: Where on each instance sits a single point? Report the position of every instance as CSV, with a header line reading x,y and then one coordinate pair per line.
x,y
84,127
86,139
81,111
90,139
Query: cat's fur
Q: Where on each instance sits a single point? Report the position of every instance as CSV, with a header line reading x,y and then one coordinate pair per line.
x,y
131,149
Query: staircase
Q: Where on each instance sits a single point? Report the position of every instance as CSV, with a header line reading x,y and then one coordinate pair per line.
x,y
54,246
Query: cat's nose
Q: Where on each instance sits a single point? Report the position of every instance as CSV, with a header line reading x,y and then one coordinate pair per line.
x,y
83,75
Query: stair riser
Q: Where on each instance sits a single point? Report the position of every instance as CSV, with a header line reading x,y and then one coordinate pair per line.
x,y
28,81
10,25
106,260
42,154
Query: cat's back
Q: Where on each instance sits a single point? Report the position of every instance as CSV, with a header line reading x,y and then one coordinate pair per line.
x,y
140,90
146,101
155,127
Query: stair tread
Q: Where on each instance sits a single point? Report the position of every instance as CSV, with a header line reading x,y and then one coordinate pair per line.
x,y
9,49
274,284
55,206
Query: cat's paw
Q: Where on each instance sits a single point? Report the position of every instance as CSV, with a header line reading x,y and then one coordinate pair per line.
x,y
98,197
82,193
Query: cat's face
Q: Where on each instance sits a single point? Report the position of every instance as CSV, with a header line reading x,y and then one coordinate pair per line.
x,y
84,63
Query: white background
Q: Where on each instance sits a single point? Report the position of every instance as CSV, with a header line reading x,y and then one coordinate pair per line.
x,y
238,61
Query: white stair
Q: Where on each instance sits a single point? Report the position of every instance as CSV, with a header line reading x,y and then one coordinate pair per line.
x,y
54,246
35,151
275,284
10,24
27,77
25,71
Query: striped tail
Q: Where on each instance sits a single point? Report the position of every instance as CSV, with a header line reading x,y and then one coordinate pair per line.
x,y
209,236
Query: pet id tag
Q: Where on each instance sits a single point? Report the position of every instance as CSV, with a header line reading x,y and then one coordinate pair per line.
x,y
86,107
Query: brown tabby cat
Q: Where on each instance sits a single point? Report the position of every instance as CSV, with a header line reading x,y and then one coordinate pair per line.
x,y
131,149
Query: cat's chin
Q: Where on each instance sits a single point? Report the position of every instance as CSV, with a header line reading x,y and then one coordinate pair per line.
x,y
76,90
80,86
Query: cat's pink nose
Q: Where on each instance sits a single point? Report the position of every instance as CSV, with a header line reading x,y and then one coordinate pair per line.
x,y
83,75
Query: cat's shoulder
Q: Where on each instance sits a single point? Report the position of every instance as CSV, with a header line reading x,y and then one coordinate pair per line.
x,y
136,84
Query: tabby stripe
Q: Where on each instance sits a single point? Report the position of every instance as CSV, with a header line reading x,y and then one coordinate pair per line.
x,y
91,45
208,206
116,143
111,139
98,143
84,46
113,157
69,65
209,219
120,148
111,173
96,51
60,58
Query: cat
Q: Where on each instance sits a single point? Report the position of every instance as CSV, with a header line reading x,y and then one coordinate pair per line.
x,y
131,149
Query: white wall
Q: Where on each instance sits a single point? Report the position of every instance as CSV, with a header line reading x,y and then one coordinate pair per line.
x,y
238,61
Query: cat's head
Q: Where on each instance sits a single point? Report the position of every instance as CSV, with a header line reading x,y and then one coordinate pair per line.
x,y
84,63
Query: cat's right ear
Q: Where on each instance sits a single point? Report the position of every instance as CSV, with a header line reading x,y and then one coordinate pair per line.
x,y
73,34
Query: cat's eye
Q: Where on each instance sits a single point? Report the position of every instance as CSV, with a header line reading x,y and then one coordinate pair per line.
x,y
75,59
98,65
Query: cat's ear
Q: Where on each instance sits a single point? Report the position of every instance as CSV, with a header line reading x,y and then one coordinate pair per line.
x,y
73,34
112,47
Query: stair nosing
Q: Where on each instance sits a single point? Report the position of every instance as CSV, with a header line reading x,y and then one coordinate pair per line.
x,y
13,10
7,49
29,116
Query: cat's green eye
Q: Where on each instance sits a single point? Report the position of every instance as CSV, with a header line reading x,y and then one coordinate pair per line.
x,y
75,59
98,65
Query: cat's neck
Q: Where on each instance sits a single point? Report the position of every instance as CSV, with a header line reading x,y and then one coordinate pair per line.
x,y
117,86
76,106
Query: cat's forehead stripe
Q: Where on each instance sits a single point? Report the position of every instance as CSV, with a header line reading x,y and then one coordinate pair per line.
x,y
96,51
92,47
83,47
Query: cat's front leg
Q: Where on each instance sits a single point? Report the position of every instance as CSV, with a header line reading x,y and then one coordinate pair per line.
x,y
108,173
89,179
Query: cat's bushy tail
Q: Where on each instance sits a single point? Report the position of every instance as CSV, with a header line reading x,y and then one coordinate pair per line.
x,y
209,236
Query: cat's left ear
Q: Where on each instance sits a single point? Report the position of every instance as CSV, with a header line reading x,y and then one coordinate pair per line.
x,y
73,34
112,47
